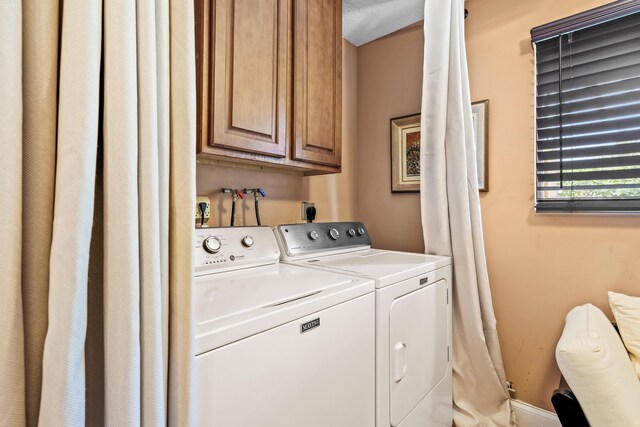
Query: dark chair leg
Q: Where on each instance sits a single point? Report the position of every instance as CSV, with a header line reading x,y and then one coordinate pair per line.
x,y
567,407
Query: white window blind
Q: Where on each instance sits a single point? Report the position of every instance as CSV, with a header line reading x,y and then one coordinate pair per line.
x,y
588,114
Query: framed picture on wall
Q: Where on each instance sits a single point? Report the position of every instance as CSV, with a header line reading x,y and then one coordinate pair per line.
x,y
480,115
405,149
405,154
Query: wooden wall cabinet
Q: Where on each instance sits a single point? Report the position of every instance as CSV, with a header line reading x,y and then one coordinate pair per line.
x,y
318,81
269,76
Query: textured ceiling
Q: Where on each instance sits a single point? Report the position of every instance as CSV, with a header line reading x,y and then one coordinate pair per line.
x,y
366,20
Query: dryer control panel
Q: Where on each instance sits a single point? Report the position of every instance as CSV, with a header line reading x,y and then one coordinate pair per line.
x,y
307,239
230,248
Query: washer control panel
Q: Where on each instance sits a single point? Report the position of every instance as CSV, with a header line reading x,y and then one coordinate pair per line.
x,y
228,248
301,239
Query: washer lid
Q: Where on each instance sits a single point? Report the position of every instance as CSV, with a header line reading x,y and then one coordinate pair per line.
x,y
386,267
233,305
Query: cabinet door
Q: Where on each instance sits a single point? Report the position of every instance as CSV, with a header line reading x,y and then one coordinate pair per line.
x,y
251,75
318,81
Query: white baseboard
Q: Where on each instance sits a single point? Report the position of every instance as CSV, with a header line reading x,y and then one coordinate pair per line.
x,y
532,416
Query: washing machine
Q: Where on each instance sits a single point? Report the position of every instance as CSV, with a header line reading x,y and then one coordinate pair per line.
x,y
413,316
278,344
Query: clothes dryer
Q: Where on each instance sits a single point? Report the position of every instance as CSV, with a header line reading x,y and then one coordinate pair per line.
x,y
413,316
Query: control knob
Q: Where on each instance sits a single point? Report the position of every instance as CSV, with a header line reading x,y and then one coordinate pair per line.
x,y
212,245
313,235
351,232
247,241
360,231
334,234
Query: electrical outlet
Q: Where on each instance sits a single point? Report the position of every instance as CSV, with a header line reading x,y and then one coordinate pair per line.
x,y
306,205
207,211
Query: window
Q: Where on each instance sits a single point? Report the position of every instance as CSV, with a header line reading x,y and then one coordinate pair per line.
x,y
588,111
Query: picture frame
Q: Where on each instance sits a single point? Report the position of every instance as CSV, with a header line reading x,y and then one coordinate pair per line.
x,y
405,154
480,118
405,149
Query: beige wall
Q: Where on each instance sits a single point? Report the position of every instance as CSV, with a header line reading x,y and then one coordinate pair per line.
x,y
540,266
333,194
389,85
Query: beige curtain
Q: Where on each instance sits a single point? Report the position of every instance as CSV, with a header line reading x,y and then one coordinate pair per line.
x,y
97,174
452,221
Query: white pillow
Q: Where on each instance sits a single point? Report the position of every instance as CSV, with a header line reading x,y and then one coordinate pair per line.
x,y
626,310
595,364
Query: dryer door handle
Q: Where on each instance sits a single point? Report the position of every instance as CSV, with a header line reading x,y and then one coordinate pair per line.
x,y
399,361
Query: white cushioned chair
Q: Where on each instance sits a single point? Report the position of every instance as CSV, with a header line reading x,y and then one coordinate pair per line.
x,y
597,368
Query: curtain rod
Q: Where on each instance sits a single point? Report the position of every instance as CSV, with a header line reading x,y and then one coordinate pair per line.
x,y
588,18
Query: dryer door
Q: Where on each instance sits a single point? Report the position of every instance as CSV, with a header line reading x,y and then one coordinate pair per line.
x,y
418,347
